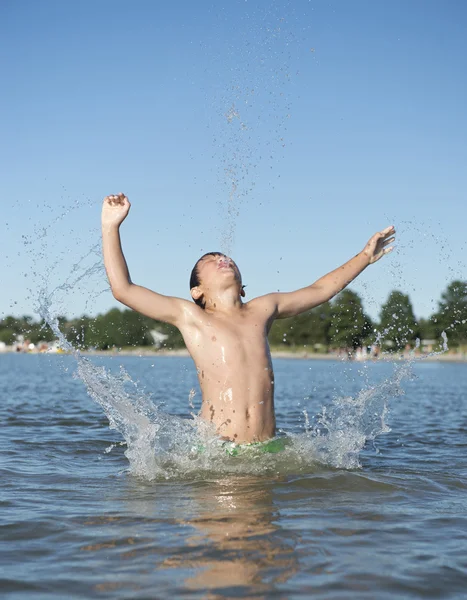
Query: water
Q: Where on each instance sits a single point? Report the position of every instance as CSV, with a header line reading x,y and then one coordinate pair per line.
x,y
250,112
78,521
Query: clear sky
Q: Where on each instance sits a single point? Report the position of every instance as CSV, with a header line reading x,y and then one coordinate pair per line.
x,y
284,132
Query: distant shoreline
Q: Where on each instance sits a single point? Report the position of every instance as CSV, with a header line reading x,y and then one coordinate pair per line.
x,y
294,355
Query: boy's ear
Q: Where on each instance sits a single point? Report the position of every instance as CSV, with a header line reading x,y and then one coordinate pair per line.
x,y
196,293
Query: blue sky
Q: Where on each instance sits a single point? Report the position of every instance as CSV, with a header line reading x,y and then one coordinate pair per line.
x,y
332,119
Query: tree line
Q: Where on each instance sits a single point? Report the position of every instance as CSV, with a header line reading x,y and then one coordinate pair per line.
x,y
339,324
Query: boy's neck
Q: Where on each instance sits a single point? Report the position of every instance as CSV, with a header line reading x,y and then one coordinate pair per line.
x,y
223,302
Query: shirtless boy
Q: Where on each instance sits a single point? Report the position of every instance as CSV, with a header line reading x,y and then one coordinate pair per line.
x,y
226,337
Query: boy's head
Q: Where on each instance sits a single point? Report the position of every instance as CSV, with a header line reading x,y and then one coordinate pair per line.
x,y
214,271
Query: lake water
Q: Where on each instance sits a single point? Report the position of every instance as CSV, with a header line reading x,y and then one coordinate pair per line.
x,y
86,514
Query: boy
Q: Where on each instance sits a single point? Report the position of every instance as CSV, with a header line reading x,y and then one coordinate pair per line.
x,y
227,338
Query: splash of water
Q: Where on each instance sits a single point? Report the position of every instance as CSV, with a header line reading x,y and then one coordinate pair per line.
x,y
343,429
159,445
153,437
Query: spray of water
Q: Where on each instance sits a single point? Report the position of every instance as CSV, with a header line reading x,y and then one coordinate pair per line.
x,y
159,445
343,429
251,106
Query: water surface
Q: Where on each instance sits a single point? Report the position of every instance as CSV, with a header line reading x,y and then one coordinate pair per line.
x,y
78,523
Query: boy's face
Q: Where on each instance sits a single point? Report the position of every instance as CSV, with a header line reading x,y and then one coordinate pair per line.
x,y
218,271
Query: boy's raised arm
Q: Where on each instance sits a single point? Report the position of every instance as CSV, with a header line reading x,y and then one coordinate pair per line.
x,y
293,303
149,303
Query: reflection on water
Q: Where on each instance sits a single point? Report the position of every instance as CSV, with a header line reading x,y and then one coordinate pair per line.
x,y
236,542
224,537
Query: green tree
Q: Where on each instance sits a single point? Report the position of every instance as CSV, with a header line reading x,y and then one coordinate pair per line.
x,y
350,326
114,329
76,331
306,330
7,336
174,337
35,331
281,332
39,332
451,316
119,329
428,328
10,323
397,321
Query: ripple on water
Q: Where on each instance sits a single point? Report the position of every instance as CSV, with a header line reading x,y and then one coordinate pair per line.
x,y
292,524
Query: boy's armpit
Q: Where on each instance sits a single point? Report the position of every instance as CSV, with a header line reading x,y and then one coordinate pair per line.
x,y
267,304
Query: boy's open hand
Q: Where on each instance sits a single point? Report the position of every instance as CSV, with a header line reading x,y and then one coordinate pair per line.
x,y
378,244
115,209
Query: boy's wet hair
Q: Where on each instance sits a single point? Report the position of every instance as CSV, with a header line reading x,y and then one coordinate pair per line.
x,y
194,277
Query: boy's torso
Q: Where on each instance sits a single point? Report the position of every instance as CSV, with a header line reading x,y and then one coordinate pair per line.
x,y
231,353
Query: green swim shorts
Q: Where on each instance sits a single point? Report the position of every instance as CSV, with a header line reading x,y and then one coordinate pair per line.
x,y
272,446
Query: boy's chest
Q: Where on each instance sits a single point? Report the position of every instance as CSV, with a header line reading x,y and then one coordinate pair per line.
x,y
226,338
235,331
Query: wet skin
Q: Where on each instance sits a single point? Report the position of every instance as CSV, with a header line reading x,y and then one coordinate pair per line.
x,y
235,372
230,349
